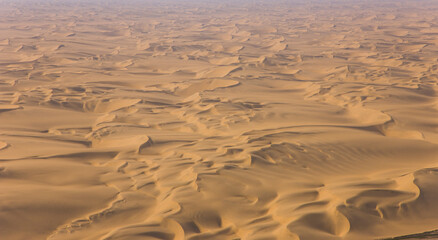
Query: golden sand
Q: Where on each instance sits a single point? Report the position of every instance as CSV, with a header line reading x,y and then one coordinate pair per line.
x,y
207,120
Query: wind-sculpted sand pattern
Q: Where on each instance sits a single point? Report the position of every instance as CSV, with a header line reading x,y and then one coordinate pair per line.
x,y
197,120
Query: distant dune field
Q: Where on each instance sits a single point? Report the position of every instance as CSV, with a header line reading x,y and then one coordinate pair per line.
x,y
134,120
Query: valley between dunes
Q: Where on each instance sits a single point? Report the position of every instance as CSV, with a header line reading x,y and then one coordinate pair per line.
x,y
205,120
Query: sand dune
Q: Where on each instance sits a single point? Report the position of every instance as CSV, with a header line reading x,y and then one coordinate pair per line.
x,y
207,120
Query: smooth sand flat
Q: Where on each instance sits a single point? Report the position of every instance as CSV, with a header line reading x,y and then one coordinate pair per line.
x,y
307,120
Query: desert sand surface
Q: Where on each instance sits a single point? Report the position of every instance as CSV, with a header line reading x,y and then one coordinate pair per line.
x,y
132,120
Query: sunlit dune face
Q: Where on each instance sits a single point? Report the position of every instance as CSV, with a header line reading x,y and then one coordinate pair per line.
x,y
218,120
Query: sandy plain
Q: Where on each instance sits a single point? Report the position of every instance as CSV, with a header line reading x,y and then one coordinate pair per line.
x,y
207,120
